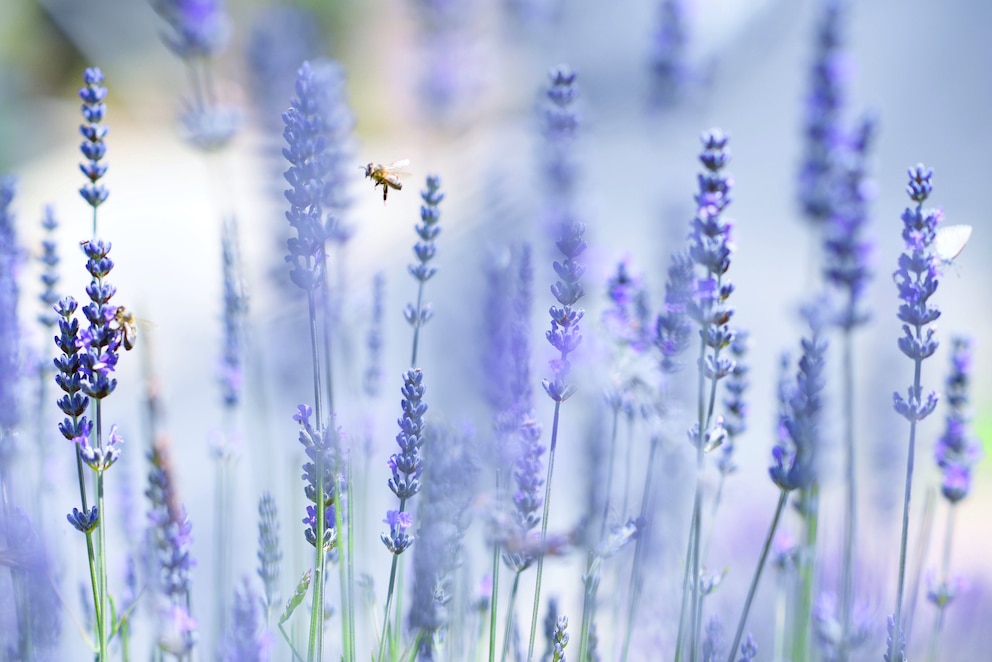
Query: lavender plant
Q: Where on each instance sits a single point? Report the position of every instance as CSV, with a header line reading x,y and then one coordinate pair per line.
x,y
710,250
916,280
407,466
956,453
430,215
795,454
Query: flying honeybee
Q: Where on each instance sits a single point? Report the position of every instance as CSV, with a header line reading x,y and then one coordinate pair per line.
x,y
124,321
386,176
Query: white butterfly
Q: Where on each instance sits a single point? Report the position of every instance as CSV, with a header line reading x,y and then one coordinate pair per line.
x,y
950,241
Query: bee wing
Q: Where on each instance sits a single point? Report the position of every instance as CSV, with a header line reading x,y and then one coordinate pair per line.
x,y
395,169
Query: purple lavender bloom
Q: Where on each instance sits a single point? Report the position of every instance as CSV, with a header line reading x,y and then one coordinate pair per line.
x,y
847,250
561,123
49,259
564,333
69,375
10,258
528,498
269,551
407,465
957,450
372,377
710,248
735,419
311,120
446,78
795,457
673,330
667,57
397,540
93,147
444,517
626,319
713,641
100,342
749,649
84,522
916,280
31,607
169,540
321,448
245,642
198,28
100,459
424,250
830,631
559,639
824,106
235,312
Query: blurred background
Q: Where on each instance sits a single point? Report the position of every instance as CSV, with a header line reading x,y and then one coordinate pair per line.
x,y
454,86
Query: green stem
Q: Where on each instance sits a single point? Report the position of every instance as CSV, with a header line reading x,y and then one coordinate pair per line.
x,y
811,500
316,635
416,325
904,538
609,472
494,591
591,583
634,590
102,549
389,602
508,633
780,617
685,589
944,580
922,547
782,497
850,530
544,531
347,608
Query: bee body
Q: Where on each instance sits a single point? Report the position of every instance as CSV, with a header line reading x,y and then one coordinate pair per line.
x,y
125,323
385,176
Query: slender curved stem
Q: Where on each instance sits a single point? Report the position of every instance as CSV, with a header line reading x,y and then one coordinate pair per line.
x,y
904,538
494,591
945,578
544,531
316,636
851,528
102,547
634,590
609,472
508,632
782,497
389,598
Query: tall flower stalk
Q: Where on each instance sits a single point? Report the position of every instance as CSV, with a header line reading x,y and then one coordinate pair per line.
x,y
306,152
407,465
564,336
89,358
795,453
560,121
916,280
956,453
710,250
848,272
427,231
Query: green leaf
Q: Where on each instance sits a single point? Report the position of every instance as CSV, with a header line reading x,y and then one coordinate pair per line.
x,y
298,595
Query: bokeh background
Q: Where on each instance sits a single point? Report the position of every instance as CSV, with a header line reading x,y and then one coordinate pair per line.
x,y
461,100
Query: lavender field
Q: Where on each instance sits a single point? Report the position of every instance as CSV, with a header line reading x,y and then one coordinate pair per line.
x,y
509,330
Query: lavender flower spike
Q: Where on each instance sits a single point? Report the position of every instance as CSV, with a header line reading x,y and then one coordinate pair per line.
x,y
170,539
564,333
424,250
916,281
10,258
795,454
560,639
199,28
93,147
49,258
957,450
